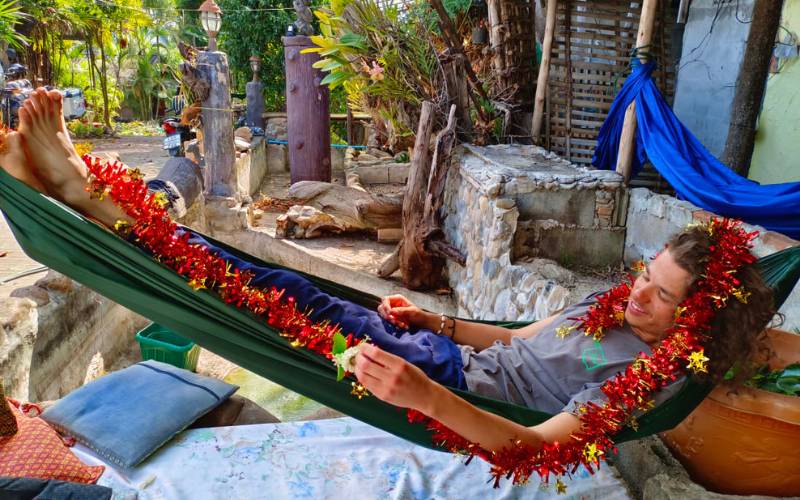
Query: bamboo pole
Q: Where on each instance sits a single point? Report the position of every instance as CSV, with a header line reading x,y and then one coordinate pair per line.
x,y
544,71
627,143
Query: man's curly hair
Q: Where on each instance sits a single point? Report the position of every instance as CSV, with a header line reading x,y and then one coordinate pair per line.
x,y
738,330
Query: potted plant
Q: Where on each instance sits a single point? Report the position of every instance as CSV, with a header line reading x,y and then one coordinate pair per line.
x,y
744,440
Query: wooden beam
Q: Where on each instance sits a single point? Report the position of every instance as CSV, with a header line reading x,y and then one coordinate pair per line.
x,y
544,72
627,143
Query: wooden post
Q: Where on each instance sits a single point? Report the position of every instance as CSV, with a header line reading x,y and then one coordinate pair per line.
x,y
308,123
627,143
218,148
544,71
496,30
750,85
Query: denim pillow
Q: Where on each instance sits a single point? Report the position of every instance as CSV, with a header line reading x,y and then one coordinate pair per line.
x,y
127,415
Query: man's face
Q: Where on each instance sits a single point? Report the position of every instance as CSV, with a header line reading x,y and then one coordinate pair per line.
x,y
655,296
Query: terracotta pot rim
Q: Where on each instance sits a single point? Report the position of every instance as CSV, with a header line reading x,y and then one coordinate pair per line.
x,y
780,407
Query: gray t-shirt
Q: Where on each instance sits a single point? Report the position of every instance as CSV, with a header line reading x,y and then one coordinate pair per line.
x,y
552,374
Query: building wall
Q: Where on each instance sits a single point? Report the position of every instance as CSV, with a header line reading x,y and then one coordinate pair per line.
x,y
713,46
777,147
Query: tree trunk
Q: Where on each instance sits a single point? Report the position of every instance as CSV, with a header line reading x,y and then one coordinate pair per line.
x,y
420,255
750,85
104,82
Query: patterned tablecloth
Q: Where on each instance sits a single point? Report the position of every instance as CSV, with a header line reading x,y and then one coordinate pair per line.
x,y
337,458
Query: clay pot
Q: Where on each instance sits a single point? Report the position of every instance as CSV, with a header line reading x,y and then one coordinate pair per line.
x,y
746,441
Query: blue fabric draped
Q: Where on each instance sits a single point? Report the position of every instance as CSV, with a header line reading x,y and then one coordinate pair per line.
x,y
687,165
437,355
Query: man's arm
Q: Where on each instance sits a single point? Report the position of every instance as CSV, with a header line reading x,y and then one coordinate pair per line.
x,y
480,335
400,383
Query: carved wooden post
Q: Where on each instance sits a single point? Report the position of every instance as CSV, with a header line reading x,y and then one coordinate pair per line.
x,y
255,104
627,140
309,119
220,177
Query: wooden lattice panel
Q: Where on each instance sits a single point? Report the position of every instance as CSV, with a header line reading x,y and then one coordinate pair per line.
x,y
591,53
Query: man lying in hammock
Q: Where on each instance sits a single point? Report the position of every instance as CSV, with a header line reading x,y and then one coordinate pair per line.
x,y
414,355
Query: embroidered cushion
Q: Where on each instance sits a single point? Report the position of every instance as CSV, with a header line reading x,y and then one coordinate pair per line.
x,y
8,424
127,415
37,451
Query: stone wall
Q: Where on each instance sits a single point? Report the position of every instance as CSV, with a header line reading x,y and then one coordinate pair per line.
x,y
512,210
652,218
51,330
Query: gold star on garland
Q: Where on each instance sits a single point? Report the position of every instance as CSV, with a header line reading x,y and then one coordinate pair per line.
x,y
638,266
741,294
561,488
161,199
197,284
592,453
697,362
359,390
564,330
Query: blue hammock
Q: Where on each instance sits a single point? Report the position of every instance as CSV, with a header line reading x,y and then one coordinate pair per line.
x,y
687,165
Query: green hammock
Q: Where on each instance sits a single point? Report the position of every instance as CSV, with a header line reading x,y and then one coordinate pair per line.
x,y
60,238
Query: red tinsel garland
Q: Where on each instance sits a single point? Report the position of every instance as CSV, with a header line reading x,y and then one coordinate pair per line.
x,y
156,232
632,390
625,393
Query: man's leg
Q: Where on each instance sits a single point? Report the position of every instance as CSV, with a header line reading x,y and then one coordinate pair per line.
x,y
63,175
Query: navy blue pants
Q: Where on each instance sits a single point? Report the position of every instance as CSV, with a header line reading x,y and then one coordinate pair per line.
x,y
438,356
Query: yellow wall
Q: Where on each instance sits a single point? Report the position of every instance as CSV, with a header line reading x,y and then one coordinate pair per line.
x,y
777,150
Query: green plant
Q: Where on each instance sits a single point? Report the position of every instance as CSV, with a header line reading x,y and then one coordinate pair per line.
x,y
247,31
782,381
10,16
383,58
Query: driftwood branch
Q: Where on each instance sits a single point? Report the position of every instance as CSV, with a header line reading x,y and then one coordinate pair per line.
x,y
422,251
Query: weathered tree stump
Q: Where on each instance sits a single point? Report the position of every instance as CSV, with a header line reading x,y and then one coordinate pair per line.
x,y
420,255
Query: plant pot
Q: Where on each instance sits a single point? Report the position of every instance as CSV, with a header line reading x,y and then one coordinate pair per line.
x,y
745,442
480,35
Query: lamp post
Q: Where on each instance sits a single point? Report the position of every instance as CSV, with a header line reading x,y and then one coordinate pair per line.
x,y
255,96
211,19
218,145
255,66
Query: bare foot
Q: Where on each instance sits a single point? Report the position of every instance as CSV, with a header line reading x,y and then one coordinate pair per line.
x,y
49,150
13,161
54,159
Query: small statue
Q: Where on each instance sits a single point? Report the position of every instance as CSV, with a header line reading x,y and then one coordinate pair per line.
x,y
304,18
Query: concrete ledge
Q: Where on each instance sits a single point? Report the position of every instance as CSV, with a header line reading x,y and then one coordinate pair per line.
x,y
652,473
350,261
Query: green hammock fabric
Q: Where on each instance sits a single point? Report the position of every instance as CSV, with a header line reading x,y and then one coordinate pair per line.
x,y
60,238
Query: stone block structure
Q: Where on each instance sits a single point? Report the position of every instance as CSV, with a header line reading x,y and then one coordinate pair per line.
x,y
513,209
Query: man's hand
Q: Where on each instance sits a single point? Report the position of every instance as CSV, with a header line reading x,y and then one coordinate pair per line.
x,y
393,379
402,313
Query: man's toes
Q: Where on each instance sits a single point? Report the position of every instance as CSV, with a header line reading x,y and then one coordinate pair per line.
x,y
55,98
37,102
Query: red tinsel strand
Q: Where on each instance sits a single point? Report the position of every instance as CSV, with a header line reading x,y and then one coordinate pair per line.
x,y
156,232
